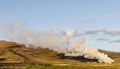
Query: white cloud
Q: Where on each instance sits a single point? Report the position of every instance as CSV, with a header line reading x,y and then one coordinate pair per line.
x,y
110,39
115,41
97,18
108,35
109,14
102,39
92,31
105,31
84,20
112,31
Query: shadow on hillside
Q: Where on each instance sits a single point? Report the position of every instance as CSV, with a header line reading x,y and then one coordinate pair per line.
x,y
78,58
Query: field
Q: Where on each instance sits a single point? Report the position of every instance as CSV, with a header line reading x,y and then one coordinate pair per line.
x,y
67,64
68,67
61,66
49,66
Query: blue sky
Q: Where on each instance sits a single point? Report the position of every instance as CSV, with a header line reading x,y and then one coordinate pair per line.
x,y
76,14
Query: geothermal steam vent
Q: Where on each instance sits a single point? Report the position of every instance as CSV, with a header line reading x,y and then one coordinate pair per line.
x,y
61,42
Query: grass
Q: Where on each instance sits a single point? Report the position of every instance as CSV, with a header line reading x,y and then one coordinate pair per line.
x,y
49,66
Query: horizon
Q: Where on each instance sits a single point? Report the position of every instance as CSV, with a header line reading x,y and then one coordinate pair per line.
x,y
97,21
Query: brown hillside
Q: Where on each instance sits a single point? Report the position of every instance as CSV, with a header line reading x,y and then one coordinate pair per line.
x,y
15,52
12,51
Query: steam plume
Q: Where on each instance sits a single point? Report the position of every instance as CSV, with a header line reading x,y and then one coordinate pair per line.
x,y
61,43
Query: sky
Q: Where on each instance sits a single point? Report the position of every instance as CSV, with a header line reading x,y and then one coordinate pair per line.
x,y
97,20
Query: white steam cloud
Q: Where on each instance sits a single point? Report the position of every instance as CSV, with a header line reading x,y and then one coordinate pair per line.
x,y
62,43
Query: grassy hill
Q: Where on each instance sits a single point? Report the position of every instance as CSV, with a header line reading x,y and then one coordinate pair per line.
x,y
12,51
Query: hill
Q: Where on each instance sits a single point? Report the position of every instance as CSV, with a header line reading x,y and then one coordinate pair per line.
x,y
11,51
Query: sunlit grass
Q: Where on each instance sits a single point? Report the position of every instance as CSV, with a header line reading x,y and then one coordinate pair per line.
x,y
49,66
